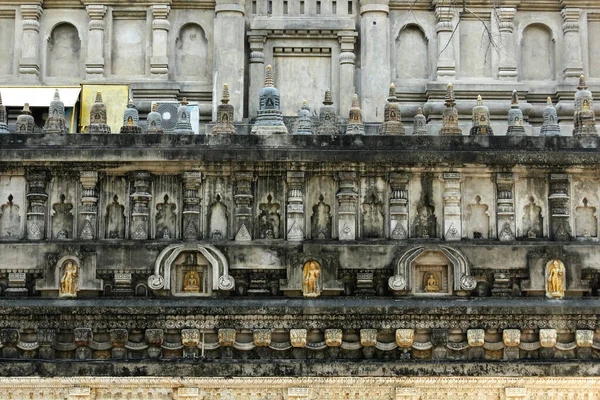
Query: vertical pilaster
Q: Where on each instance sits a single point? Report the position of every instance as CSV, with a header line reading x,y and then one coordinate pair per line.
x,y
347,66
243,199
559,205
88,214
37,179
139,227
257,70
375,58
191,205
505,210
507,69
446,66
572,60
159,63
452,212
229,54
295,206
29,64
399,206
348,199
94,62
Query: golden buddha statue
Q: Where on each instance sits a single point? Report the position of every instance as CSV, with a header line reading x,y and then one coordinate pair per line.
x,y
310,284
433,284
68,281
555,279
191,282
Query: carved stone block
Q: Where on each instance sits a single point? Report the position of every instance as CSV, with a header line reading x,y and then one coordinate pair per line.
x,y
333,337
476,337
262,337
368,337
190,337
298,337
511,337
584,338
227,337
548,338
405,338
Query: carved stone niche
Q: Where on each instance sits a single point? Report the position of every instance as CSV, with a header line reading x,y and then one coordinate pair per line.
x,y
70,276
191,270
312,276
432,270
554,274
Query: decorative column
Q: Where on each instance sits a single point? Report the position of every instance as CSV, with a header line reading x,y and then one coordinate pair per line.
x,y
29,64
88,214
505,210
37,197
573,64
347,61
399,206
347,198
507,69
229,55
191,205
446,66
295,206
243,199
559,205
452,214
140,199
257,70
94,63
375,58
159,63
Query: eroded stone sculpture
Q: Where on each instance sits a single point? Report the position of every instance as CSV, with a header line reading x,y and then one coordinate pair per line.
x,y
420,124
154,121
98,123
515,117
270,118
450,116
355,123
481,119
550,126
225,111
131,119
25,121
304,120
584,119
183,125
327,117
392,124
56,122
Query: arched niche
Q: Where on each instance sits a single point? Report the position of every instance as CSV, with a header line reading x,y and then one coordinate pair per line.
x,y
191,52
412,53
421,260
537,53
64,51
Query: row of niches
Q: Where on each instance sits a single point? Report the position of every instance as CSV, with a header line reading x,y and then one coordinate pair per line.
x,y
270,117
313,344
45,204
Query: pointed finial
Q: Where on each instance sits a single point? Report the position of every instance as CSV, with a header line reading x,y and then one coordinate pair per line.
x,y
184,101
515,98
154,107
450,95
582,84
26,109
304,102
549,101
130,104
305,105
420,111
98,97
328,100
56,95
269,81
479,100
225,99
392,90
355,101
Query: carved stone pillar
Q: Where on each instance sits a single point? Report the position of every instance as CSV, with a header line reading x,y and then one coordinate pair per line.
x,y
257,70
37,180
347,67
399,206
559,205
507,69
243,198
446,65
159,63
295,206
88,214
191,206
94,63
347,198
29,64
452,213
139,227
505,210
375,61
573,64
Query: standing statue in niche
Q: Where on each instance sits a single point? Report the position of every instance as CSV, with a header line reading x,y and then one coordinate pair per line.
x,y
115,220
269,219
310,281
68,280
555,279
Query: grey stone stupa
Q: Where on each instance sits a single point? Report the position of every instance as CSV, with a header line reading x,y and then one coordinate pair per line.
x,y
481,120
154,121
355,122
225,112
450,115
327,117
131,119
270,118
183,125
515,117
392,124
584,118
304,120
56,122
420,124
550,126
25,121
3,118
98,123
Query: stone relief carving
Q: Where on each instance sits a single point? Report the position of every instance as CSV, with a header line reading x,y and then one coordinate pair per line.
x,y
166,219
321,220
586,220
555,279
10,220
115,220
373,217
69,279
478,219
218,219
311,279
62,219
269,219
532,220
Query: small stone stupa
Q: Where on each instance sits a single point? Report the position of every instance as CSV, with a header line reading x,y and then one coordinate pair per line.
x,y
327,117
270,118
131,119
550,126
450,115
304,121
98,117
56,122
481,120
584,119
392,124
183,125
154,121
420,124
25,121
225,111
3,118
355,122
515,117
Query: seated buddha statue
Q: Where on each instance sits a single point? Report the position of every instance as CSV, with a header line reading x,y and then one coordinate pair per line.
x,y
432,283
191,282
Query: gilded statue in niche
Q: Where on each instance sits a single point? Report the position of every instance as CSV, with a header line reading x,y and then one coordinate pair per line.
x,y
69,279
555,279
432,283
310,281
191,282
